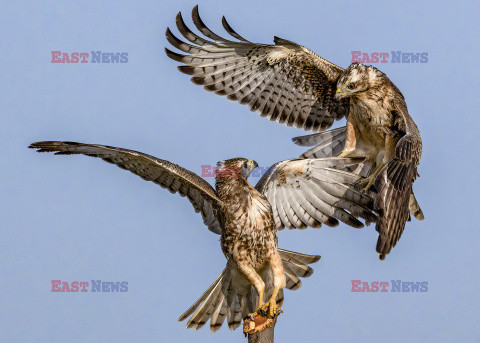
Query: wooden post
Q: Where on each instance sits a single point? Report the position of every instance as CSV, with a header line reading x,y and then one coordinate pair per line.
x,y
265,336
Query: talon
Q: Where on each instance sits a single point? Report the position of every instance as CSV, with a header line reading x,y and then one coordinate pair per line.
x,y
365,184
368,182
250,316
273,312
264,309
272,309
269,310
345,153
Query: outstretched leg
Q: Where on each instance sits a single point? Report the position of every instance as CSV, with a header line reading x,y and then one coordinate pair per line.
x,y
279,282
351,141
390,144
369,181
251,274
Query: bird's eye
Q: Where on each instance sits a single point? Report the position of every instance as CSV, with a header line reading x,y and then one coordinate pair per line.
x,y
351,86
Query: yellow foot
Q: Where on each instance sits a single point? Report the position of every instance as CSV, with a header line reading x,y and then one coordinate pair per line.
x,y
273,311
345,153
269,309
265,309
367,183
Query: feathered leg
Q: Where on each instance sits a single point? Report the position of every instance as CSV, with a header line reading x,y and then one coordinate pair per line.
x,y
368,182
351,141
279,282
251,274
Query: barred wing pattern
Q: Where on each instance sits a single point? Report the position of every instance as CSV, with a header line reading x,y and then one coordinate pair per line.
x,y
309,192
325,144
395,199
166,174
285,82
394,185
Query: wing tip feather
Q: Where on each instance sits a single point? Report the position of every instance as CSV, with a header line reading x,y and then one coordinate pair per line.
x,y
174,55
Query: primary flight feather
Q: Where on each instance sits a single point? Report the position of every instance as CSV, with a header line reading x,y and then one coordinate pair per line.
x,y
288,83
247,219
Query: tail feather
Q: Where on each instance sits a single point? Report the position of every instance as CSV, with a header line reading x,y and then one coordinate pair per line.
x,y
414,207
326,144
300,269
204,312
228,298
218,316
234,312
202,298
319,138
302,258
296,265
292,280
394,185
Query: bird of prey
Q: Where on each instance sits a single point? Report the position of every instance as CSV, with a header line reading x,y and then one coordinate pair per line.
x,y
379,129
290,84
293,193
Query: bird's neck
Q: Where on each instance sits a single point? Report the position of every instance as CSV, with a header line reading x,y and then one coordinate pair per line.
x,y
230,187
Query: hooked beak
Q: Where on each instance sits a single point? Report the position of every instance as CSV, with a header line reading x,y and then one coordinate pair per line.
x,y
339,94
251,165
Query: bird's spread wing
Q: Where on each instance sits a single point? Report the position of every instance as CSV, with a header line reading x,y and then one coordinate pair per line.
x,y
285,82
331,143
166,174
325,144
310,192
394,184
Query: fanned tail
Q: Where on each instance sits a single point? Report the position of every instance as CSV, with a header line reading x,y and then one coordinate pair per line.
x,y
296,265
225,298
394,185
231,298
212,304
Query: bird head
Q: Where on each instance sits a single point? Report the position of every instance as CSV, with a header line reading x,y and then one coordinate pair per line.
x,y
236,167
356,79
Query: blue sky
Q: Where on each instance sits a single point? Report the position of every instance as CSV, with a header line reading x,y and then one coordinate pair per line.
x,y
80,219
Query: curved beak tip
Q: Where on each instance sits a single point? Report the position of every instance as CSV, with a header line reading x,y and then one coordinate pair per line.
x,y
338,93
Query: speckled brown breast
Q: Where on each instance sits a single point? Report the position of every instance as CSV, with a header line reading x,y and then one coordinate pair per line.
x,y
249,227
373,121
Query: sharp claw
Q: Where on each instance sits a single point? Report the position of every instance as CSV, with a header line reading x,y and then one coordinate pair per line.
x,y
364,185
249,316
266,310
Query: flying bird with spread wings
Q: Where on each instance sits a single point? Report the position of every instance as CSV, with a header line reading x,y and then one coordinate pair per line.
x,y
290,84
247,218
